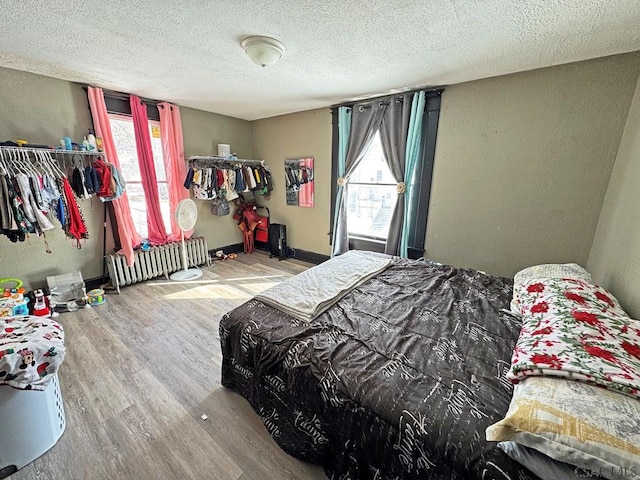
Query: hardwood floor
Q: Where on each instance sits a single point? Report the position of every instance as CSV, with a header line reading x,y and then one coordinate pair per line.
x,y
142,369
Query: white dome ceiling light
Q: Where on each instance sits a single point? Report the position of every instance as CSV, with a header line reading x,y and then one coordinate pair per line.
x,y
263,51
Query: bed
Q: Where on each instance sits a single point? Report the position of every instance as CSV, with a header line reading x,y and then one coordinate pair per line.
x,y
398,379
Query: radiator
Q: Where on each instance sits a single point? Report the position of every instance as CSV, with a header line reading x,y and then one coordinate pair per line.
x,y
155,262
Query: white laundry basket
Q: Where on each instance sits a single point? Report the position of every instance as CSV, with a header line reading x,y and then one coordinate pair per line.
x,y
31,422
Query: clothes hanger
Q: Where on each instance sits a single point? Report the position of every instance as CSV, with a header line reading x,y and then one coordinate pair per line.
x,y
28,164
15,164
3,166
44,164
58,172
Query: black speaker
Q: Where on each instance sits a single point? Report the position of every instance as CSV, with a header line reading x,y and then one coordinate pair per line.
x,y
278,240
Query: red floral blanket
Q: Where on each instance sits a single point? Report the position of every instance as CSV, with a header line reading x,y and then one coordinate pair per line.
x,y
571,328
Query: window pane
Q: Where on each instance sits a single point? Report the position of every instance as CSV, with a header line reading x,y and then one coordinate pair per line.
x,y
370,206
156,147
373,167
163,192
125,139
125,142
369,209
138,208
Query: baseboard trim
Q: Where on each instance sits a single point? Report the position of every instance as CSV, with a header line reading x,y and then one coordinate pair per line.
x,y
227,249
311,257
91,283
304,255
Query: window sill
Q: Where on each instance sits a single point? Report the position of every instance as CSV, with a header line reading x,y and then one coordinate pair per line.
x,y
369,244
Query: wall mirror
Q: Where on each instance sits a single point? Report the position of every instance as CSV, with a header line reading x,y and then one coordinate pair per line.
x,y
298,173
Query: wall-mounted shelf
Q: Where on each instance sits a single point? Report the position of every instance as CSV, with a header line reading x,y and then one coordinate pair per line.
x,y
52,151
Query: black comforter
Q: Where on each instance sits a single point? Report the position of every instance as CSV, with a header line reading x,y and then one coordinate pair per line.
x,y
398,380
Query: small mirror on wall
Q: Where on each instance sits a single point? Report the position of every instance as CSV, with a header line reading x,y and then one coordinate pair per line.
x,y
298,173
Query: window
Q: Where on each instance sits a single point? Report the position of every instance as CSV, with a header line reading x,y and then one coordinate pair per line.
x,y
125,140
372,189
372,195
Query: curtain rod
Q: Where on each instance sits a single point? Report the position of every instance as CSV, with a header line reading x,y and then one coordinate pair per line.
x,y
125,96
351,103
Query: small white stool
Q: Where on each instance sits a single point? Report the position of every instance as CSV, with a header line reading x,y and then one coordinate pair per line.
x,y
31,422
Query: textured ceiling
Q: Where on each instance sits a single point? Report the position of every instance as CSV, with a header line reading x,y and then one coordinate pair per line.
x,y
188,52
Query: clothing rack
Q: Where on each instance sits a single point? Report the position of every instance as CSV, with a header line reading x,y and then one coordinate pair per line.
x,y
51,151
12,159
207,161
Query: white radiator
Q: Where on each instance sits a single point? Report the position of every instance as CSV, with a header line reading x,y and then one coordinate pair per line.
x,y
155,262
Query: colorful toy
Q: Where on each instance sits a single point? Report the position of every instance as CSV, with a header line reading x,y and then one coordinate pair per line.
x,y
17,288
96,297
12,301
41,304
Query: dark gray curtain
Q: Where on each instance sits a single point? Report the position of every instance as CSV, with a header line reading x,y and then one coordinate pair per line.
x,y
365,122
393,136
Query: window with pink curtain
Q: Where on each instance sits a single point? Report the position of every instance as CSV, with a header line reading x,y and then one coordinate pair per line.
x,y
157,234
125,143
174,164
129,237
150,146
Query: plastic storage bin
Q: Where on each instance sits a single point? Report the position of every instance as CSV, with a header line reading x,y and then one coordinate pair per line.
x,y
32,422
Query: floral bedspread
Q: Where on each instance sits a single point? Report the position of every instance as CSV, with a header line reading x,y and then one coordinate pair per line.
x,y
571,328
31,350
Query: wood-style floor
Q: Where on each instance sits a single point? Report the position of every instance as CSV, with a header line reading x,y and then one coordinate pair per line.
x,y
142,369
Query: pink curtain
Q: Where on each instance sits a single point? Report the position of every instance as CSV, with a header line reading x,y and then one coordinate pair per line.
x,y
129,238
175,168
157,232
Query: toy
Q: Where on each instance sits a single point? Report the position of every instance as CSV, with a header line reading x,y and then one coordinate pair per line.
x,y
12,301
17,288
96,297
41,304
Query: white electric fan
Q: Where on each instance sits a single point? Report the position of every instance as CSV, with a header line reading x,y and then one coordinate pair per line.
x,y
186,216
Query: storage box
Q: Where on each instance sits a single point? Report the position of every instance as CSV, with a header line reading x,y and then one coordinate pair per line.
x,y
67,291
32,423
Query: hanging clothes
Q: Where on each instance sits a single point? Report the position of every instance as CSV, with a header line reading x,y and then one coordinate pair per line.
x,y
104,176
239,186
77,228
31,182
215,177
32,211
24,225
117,183
91,180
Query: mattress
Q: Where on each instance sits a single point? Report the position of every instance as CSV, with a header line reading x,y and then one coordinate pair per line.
x,y
399,379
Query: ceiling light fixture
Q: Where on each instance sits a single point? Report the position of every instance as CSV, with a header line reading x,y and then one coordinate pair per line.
x,y
264,51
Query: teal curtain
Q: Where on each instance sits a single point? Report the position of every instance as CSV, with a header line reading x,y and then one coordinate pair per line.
x,y
344,128
412,159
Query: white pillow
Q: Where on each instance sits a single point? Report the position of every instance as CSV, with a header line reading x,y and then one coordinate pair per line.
x,y
543,466
592,428
553,270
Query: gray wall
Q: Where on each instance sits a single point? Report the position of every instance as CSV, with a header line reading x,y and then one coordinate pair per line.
x,y
42,110
521,169
298,135
522,164
202,133
615,257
